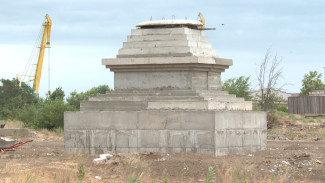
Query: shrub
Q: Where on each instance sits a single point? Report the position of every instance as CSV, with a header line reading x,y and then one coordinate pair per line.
x,y
281,108
272,119
51,114
27,115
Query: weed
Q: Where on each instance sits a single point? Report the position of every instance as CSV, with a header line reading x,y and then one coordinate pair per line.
x,y
81,172
54,178
210,175
133,179
319,120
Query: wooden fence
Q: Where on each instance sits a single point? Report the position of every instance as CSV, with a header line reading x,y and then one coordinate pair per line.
x,y
306,105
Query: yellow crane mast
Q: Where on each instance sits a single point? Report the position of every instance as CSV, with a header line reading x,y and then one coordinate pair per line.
x,y
45,42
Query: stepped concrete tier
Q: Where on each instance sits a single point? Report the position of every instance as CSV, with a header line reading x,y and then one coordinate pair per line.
x,y
167,98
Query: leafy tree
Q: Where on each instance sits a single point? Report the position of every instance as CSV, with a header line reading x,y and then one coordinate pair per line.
x,y
50,114
74,99
13,97
57,94
238,86
311,81
27,114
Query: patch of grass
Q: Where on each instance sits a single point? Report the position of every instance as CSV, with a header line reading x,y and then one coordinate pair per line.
x,y
282,114
293,117
311,120
59,131
301,118
257,108
319,120
273,132
133,179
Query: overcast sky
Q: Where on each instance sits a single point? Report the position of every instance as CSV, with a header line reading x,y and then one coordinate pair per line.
x,y
84,32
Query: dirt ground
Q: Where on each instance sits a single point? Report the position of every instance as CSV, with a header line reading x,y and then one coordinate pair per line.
x,y
43,160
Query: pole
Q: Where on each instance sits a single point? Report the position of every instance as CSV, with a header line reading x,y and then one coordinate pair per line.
x,y
324,81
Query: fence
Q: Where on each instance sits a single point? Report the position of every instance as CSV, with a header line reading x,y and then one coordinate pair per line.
x,y
306,105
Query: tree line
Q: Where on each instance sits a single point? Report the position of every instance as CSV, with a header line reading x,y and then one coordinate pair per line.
x,y
20,103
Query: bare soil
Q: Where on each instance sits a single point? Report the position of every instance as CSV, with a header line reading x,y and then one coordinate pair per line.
x,y
290,157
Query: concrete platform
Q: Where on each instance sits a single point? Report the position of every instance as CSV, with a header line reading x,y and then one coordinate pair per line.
x,y
208,132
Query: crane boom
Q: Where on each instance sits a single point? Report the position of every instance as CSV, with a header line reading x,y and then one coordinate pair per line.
x,y
45,42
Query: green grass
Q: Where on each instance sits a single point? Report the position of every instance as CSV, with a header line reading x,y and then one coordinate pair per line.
x,y
273,132
133,179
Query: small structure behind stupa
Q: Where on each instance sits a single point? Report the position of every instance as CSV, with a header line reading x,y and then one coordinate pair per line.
x,y
167,98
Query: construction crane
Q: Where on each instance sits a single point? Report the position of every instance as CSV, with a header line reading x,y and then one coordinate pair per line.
x,y
44,43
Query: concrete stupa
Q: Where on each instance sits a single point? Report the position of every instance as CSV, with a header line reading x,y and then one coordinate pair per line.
x,y
167,97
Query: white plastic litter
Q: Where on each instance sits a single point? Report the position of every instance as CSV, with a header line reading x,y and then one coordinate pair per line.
x,y
5,139
102,159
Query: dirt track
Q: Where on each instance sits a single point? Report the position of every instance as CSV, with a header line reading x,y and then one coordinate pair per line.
x,y
284,161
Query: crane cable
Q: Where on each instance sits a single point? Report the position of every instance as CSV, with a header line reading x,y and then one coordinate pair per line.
x,y
29,70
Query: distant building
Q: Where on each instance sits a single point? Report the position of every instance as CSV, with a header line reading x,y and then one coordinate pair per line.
x,y
317,92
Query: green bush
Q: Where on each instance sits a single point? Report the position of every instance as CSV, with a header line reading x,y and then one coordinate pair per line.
x,y
51,114
238,86
27,115
73,101
281,108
